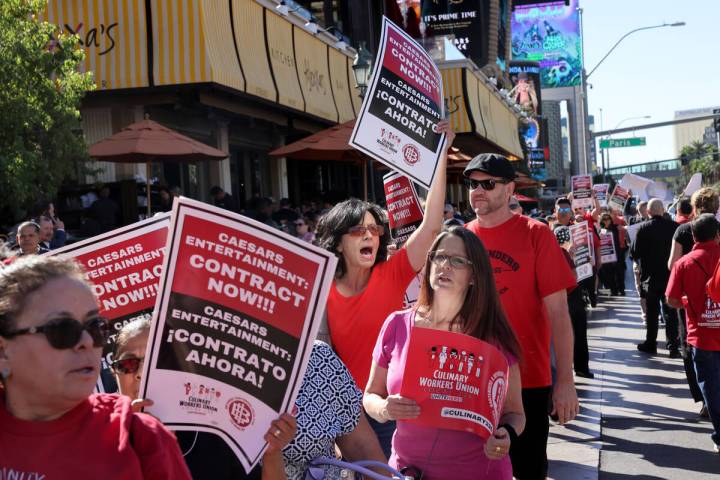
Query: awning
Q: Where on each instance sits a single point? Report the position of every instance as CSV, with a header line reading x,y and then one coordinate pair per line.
x,y
238,44
475,109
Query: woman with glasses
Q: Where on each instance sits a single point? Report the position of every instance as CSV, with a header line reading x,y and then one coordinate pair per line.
x,y
51,425
328,413
305,229
457,295
368,286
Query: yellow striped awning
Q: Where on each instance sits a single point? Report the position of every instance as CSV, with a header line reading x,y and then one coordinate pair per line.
x,y
474,108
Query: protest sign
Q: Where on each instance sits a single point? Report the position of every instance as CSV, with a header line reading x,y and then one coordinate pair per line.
x,y
237,313
124,267
581,191
607,248
403,104
404,211
581,250
459,382
601,193
618,198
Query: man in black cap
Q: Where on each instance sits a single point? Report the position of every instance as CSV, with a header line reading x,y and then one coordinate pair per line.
x,y
532,277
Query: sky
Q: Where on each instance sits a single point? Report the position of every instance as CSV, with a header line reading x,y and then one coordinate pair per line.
x,y
652,72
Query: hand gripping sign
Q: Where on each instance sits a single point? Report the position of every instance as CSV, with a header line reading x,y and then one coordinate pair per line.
x,y
459,382
403,104
124,267
601,193
238,311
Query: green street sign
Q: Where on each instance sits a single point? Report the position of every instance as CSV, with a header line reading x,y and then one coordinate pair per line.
x,y
622,142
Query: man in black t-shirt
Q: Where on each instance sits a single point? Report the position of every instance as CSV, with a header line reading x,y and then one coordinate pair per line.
x,y
705,200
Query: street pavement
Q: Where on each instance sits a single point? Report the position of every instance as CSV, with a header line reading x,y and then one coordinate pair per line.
x,y
637,418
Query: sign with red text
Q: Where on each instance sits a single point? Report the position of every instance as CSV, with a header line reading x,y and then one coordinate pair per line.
x,y
607,248
124,267
601,193
581,250
581,191
402,106
459,382
403,207
238,310
619,198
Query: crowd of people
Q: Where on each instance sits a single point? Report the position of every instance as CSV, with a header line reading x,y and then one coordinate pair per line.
x,y
503,277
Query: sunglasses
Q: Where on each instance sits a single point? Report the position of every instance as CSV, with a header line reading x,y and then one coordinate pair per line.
x,y
127,365
564,210
359,230
65,332
487,185
454,261
299,224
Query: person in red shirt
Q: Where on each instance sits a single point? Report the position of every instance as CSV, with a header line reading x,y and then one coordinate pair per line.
x,y
368,286
532,277
51,425
687,289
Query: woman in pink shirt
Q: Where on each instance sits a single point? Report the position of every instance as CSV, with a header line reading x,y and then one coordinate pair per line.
x,y
458,295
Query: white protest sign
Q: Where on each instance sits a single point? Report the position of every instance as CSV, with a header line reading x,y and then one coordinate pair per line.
x,y
403,104
237,313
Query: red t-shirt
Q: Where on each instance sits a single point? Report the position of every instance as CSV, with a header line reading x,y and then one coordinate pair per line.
x,y
528,265
355,322
688,279
100,438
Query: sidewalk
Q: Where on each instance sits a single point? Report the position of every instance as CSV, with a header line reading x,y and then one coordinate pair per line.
x,y
637,419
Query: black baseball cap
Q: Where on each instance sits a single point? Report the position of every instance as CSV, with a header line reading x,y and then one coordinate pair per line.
x,y
493,164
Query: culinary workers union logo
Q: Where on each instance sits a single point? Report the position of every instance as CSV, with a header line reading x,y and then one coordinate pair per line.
x,y
411,154
241,413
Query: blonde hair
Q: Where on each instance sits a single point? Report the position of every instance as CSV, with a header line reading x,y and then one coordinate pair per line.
x,y
25,276
705,200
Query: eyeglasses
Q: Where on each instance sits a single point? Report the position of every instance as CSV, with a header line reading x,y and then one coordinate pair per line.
x,y
359,230
564,209
65,332
487,184
455,261
127,365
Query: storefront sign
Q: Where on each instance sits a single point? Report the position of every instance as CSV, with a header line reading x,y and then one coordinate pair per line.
x,y
581,250
618,198
312,69
581,191
238,311
124,267
282,60
607,248
549,33
459,382
601,193
402,107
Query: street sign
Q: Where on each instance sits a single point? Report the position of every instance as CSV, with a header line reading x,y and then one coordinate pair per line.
x,y
622,142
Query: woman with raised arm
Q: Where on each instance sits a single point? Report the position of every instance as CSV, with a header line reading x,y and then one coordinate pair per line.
x,y
368,285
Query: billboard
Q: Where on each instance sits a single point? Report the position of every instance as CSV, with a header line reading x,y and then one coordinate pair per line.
x,y
464,22
549,33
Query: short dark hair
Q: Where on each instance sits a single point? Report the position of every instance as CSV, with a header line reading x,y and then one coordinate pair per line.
x,y
685,206
335,223
563,201
704,228
215,190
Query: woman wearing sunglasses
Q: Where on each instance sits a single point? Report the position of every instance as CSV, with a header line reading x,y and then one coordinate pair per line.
x,y
368,286
328,412
51,425
458,295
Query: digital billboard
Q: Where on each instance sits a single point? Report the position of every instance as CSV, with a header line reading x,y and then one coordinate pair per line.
x,y
464,22
549,33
